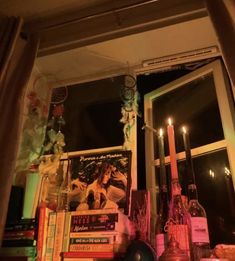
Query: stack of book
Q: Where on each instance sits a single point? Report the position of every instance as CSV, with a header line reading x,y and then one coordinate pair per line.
x,y
102,233
19,240
97,233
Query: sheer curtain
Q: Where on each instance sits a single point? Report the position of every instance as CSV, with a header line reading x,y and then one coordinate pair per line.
x,y
17,55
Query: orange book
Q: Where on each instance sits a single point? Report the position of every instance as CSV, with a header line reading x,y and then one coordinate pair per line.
x,y
42,232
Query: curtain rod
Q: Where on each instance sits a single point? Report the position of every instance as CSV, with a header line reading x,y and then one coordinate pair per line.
x,y
112,11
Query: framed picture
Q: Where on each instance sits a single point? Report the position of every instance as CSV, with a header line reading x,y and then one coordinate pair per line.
x,y
100,181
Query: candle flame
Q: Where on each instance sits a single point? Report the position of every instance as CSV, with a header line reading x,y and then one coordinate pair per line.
x,y
184,129
170,121
161,132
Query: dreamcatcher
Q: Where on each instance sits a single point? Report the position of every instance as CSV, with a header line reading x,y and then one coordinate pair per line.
x,y
129,96
55,137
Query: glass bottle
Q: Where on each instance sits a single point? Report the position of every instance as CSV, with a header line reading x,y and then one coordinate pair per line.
x,y
198,220
199,228
179,219
160,233
161,239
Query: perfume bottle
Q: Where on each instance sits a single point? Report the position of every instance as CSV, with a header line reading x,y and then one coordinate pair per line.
x,y
162,216
198,220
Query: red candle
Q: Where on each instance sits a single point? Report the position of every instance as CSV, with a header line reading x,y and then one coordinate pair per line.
x,y
171,141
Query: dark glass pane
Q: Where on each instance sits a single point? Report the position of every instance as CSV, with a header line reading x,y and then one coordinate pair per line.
x,y
92,115
215,192
193,105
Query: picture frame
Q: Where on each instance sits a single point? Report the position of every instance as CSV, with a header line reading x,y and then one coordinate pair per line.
x,y
100,180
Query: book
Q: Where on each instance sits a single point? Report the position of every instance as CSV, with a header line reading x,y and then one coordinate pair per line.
x,y
20,234
14,212
81,219
21,225
101,219
31,194
78,259
89,239
50,236
91,168
42,231
91,247
17,258
65,244
18,251
18,242
81,254
59,233
95,227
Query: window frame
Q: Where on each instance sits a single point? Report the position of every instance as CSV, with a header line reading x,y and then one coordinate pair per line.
x,y
227,114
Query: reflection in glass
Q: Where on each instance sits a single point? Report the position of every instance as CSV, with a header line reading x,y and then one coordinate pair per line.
x,y
194,105
215,192
92,115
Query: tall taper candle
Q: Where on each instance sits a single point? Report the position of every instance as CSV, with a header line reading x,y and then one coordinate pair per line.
x,y
171,141
189,163
162,158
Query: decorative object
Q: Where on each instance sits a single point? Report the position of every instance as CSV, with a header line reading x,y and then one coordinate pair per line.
x,y
101,180
200,243
179,218
173,252
162,214
129,110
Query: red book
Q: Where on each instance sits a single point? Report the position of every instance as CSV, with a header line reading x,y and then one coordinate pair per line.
x,y
88,254
19,234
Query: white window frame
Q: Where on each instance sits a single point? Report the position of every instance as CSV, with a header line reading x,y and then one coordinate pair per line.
x,y
227,113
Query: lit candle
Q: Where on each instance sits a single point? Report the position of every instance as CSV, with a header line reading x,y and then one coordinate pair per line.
x,y
162,158
171,141
189,163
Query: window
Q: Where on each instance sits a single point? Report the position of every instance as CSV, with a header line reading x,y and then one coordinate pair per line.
x,y
202,101
93,117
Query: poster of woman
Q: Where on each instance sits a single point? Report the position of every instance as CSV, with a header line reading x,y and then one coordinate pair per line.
x,y
101,181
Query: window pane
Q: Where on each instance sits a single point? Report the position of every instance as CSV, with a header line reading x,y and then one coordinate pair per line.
x,y
194,105
92,115
215,192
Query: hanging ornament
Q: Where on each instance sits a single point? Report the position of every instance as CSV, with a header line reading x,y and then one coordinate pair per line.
x,y
129,110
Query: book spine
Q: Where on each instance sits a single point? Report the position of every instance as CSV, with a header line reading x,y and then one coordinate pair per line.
x,y
59,231
81,259
65,245
50,236
18,243
91,247
32,187
20,227
42,232
80,219
81,254
18,234
93,227
92,240
94,211
18,251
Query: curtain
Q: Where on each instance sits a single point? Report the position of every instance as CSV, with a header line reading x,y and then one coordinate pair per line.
x,y
224,26
17,55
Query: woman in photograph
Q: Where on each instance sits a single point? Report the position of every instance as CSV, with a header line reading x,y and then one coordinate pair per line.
x,y
101,193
